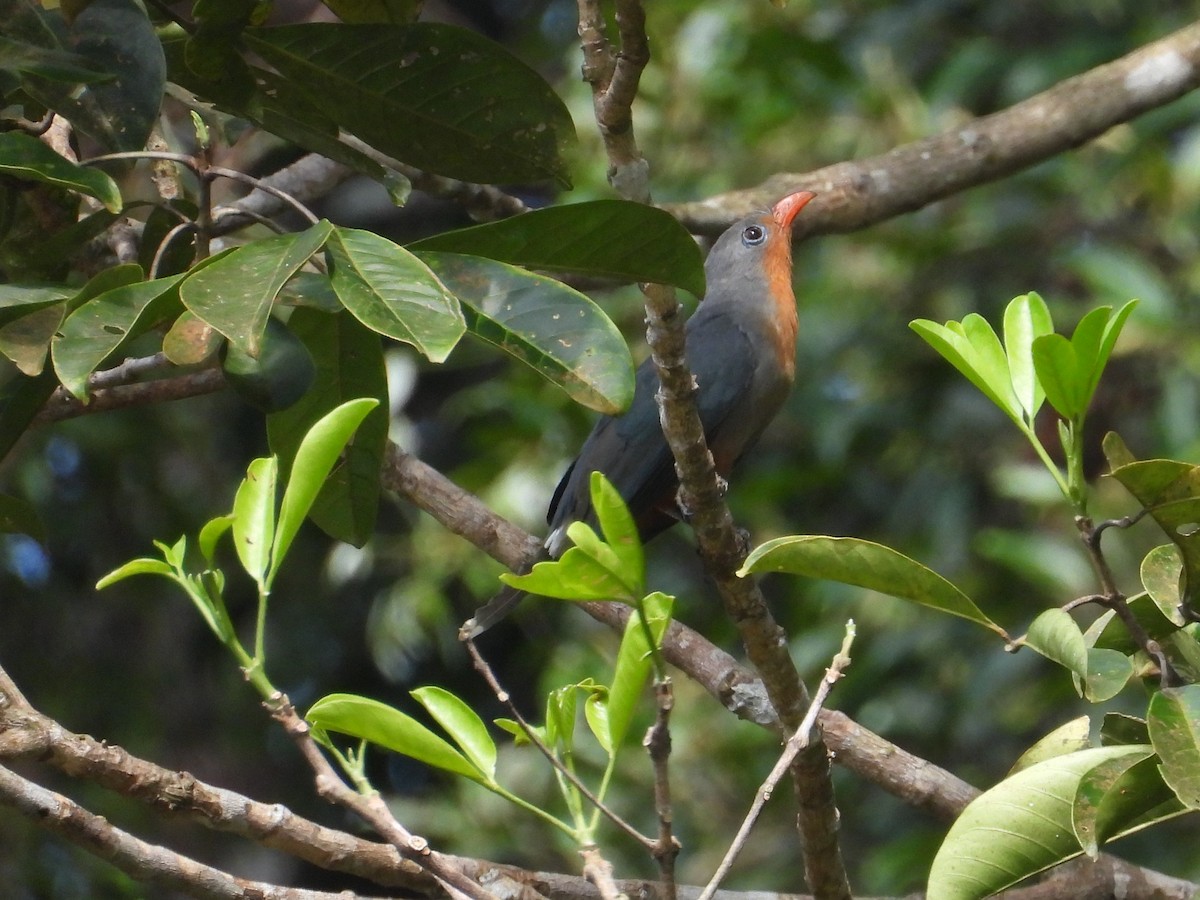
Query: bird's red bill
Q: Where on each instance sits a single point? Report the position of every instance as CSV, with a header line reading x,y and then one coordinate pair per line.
x,y
785,210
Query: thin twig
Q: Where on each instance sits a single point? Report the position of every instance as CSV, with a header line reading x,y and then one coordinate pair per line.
x,y
485,670
658,745
795,744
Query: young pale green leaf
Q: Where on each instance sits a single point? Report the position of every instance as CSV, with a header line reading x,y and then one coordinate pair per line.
x,y
315,458
615,239
370,720
234,294
952,342
560,717
557,331
212,532
254,517
513,727
1025,318
634,664
1060,375
590,570
868,565
1112,331
461,105
349,360
990,361
25,157
1174,721
1066,738
620,531
1017,828
595,711
392,292
142,566
463,725
1056,636
99,327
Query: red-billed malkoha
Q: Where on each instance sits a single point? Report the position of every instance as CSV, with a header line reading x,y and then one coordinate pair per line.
x,y
741,348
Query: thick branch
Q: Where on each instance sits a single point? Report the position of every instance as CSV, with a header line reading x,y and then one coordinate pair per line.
x,y
147,863
854,195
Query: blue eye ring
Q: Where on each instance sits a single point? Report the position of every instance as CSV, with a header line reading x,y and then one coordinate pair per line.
x,y
753,235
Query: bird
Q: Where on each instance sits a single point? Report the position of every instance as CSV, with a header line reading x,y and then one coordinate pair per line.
x,y
741,350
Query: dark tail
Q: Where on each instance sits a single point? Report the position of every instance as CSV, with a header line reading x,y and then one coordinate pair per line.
x,y
497,607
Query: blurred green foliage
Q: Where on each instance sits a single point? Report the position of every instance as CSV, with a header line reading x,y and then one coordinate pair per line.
x,y
880,440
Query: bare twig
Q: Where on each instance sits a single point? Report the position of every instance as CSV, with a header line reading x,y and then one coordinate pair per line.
x,y
598,871
797,742
62,405
658,745
147,863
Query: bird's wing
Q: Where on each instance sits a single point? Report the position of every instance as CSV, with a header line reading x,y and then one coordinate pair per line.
x,y
630,449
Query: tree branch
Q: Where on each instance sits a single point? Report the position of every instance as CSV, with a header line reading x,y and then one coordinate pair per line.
x,y
855,195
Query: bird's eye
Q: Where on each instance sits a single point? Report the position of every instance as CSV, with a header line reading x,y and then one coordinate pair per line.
x,y
753,235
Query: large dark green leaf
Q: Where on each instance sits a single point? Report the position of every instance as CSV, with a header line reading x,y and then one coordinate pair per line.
x,y
349,359
17,300
1174,720
391,12
116,37
607,238
392,292
28,158
435,96
47,62
545,324
234,294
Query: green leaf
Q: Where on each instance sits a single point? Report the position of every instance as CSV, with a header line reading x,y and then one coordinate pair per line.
x,y
865,564
615,239
27,158
979,365
1174,721
1059,372
21,398
26,340
435,96
370,720
234,294
1114,796
115,37
19,517
314,459
142,566
557,331
561,704
1118,728
634,663
463,725
1112,331
1066,738
1055,636
212,532
279,376
1019,827
392,292
595,711
1162,573
1025,318
47,62
254,518
98,328
349,360
620,531
588,571
17,300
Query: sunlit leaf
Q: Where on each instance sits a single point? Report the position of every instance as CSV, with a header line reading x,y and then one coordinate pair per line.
x,y
1066,738
254,517
865,564
462,724
1025,318
1174,720
27,158
370,720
